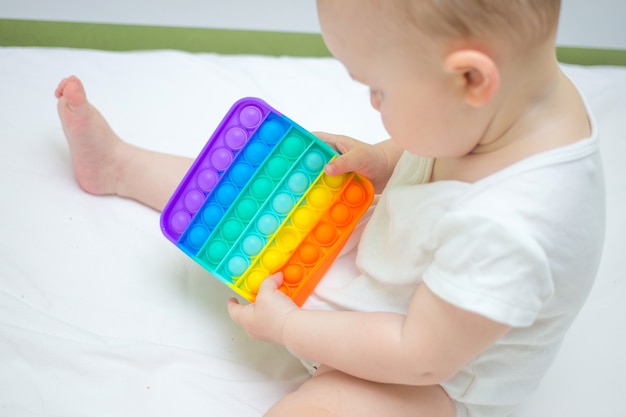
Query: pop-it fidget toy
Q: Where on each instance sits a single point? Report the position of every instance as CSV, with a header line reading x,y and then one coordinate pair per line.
x,y
256,201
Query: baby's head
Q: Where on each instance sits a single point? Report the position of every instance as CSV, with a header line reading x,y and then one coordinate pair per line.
x,y
519,24
430,63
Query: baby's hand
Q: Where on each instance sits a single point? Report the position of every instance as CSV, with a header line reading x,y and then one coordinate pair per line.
x,y
369,160
265,318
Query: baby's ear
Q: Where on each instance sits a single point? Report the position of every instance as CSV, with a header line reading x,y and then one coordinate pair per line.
x,y
476,74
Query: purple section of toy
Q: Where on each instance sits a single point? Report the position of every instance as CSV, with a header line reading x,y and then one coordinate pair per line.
x,y
231,136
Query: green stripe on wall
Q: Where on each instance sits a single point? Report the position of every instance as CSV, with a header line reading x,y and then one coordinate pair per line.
x,y
116,37
589,56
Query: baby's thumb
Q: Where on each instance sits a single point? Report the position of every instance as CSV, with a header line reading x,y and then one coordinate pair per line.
x,y
272,283
338,166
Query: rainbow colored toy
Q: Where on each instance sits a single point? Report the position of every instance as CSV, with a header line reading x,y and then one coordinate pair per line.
x,y
256,201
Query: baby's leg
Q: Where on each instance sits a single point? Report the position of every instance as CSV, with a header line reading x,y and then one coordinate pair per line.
x,y
103,163
333,393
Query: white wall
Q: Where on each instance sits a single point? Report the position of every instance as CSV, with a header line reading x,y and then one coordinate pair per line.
x,y
598,24
281,15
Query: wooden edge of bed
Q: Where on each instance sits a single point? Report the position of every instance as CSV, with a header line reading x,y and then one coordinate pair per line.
x,y
118,37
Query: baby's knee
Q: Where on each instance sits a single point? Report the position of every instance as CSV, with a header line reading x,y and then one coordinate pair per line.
x,y
296,404
313,399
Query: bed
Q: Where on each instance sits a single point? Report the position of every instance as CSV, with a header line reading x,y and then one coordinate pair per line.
x,y
100,315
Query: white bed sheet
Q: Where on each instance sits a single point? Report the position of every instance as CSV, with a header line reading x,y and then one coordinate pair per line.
x,y
101,316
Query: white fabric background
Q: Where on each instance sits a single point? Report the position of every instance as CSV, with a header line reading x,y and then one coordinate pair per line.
x,y
100,315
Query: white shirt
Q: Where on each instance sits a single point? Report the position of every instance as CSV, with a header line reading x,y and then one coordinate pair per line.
x,y
520,247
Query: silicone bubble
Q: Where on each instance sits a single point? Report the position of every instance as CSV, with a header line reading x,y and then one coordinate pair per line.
x,y
250,116
261,188
193,200
197,236
282,203
212,214
273,259
207,180
252,245
267,224
256,201
237,265
325,233
340,214
354,194
314,161
309,253
235,138
226,194
254,280
246,209
293,146
304,218
216,251
320,197
179,221
293,274
221,159
271,131
255,152
288,239
231,230
334,181
298,182
240,173
277,167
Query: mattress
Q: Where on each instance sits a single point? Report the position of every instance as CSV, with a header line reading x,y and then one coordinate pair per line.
x,y
100,315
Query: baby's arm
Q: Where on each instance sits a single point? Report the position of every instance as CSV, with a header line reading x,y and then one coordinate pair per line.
x,y
427,346
373,161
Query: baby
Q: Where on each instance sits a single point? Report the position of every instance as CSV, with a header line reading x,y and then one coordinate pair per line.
x,y
485,240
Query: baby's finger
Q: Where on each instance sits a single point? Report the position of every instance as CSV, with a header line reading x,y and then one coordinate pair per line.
x,y
337,142
272,283
337,166
354,160
234,310
325,137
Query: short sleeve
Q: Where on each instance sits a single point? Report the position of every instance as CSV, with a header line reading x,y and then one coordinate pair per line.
x,y
489,267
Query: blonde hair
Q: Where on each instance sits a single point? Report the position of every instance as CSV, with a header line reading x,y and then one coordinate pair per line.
x,y
523,23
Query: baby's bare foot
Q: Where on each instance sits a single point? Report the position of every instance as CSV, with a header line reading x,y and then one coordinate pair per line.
x,y
95,149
